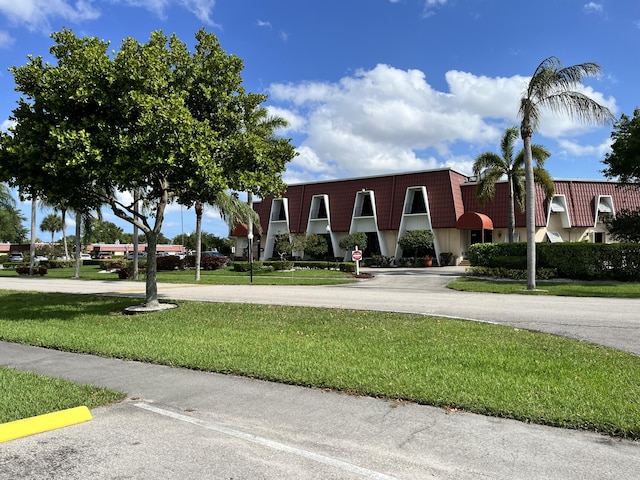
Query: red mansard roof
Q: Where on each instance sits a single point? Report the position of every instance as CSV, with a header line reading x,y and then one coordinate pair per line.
x,y
450,196
443,191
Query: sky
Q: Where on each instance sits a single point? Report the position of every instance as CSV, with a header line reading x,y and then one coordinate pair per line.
x,y
373,86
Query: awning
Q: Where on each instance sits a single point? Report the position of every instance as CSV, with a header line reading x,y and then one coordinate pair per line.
x,y
474,221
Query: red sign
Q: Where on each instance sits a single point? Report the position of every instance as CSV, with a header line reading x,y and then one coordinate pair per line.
x,y
356,255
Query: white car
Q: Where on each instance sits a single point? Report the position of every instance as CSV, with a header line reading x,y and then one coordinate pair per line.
x,y
40,258
16,257
85,256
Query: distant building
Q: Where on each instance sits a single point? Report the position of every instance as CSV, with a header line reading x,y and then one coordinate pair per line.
x,y
442,200
121,249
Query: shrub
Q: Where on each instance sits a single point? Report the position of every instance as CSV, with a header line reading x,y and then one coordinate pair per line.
x,y
353,240
169,262
380,261
445,258
417,243
316,246
246,266
24,270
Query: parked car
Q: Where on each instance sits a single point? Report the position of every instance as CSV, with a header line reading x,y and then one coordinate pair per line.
x,y
103,256
141,255
16,257
40,258
85,256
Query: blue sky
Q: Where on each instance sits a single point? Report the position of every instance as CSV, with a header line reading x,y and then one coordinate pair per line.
x,y
374,86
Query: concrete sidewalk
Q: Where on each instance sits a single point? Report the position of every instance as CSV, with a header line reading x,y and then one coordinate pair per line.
x,y
180,423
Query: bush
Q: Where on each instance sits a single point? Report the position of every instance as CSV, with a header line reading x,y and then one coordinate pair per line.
x,y
316,246
380,261
169,262
246,266
25,270
509,262
353,240
576,260
511,273
445,258
417,243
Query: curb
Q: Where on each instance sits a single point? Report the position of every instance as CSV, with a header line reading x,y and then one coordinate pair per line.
x,y
43,423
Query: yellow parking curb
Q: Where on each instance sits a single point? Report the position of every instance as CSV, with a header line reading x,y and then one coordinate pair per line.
x,y
43,423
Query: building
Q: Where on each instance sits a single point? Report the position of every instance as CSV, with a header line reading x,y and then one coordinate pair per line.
x,y
442,200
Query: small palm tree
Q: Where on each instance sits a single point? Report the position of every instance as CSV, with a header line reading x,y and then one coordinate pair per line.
x,y
52,223
555,88
490,167
231,209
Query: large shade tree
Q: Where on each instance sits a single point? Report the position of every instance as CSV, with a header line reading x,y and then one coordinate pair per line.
x,y
556,89
623,162
151,116
489,168
12,228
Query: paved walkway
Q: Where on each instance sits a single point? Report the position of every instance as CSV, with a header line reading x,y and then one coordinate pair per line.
x,y
180,424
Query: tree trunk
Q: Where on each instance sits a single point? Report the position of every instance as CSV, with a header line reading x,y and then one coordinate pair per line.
x,y
512,212
199,212
63,214
530,205
32,245
135,238
152,269
78,249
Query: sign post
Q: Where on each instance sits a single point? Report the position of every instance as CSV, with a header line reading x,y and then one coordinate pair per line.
x,y
356,255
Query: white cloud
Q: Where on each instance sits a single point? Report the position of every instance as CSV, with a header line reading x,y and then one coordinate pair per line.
x,y
263,24
593,7
386,120
573,149
35,14
6,40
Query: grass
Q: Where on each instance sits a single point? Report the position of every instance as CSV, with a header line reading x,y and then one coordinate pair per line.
x,y
26,394
224,276
559,288
482,368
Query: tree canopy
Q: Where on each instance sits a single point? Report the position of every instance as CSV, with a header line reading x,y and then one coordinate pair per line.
x,y
152,116
623,161
490,167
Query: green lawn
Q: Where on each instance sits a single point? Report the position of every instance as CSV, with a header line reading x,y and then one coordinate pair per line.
x,y
26,394
224,276
560,288
482,368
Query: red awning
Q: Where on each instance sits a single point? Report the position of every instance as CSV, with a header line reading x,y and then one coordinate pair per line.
x,y
474,221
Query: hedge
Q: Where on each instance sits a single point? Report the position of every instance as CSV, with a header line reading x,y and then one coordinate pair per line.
x,y
576,260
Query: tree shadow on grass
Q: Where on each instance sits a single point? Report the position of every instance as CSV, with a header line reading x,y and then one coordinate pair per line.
x,y
42,307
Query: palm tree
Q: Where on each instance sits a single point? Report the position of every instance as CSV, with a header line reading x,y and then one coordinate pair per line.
x,y
490,167
51,223
231,208
555,88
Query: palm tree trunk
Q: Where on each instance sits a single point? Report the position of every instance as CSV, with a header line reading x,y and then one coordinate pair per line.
x,y
32,245
512,211
530,206
63,214
78,249
199,212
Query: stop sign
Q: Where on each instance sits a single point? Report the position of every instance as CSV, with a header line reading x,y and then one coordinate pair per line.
x,y
356,255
